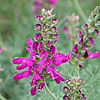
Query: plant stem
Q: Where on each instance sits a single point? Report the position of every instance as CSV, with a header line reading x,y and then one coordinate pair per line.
x,y
77,70
55,98
1,97
76,2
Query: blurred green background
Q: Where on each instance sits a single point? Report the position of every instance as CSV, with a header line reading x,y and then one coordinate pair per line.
x,y
17,22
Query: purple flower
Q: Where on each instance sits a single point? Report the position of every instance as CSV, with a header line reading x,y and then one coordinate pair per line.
x,y
52,49
49,70
38,68
83,96
36,76
33,55
80,34
78,55
75,49
91,41
96,32
40,46
54,29
33,90
84,47
65,97
59,58
64,29
39,17
34,45
85,26
48,43
55,20
81,41
40,86
54,75
22,62
24,74
38,26
29,42
89,54
37,36
58,78
43,53
48,62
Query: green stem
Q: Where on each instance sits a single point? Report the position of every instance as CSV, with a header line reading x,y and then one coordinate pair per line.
x,y
77,70
76,2
55,98
1,97
60,23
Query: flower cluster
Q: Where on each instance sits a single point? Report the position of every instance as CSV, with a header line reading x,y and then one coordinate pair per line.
x,y
71,27
73,89
42,4
43,56
80,50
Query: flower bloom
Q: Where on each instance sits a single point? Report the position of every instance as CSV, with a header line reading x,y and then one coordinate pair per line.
x,y
43,58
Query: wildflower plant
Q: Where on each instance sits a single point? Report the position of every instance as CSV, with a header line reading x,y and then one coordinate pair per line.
x,y
71,27
43,58
81,52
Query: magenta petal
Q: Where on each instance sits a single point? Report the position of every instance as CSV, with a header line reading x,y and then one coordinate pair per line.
x,y
43,53
33,90
38,68
24,74
33,55
89,54
58,78
80,34
17,60
75,49
59,58
91,41
52,49
36,76
21,66
29,62
29,42
28,49
35,45
41,85
40,46
48,44
65,97
37,36
17,76
48,62
78,55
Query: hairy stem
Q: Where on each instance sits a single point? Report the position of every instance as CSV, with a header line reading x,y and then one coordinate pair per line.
x,y
52,94
76,2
